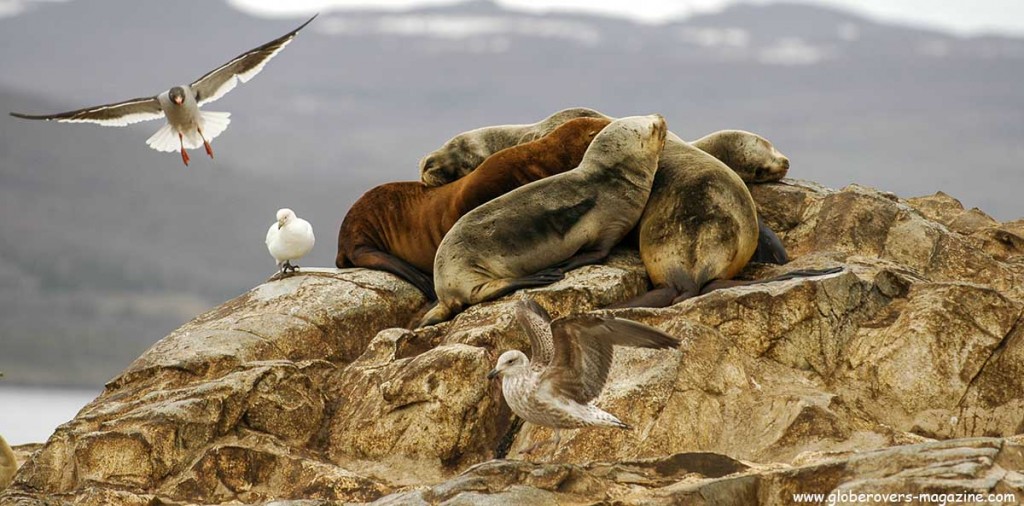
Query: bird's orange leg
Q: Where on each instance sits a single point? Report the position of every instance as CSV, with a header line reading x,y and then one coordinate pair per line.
x,y
184,154
206,143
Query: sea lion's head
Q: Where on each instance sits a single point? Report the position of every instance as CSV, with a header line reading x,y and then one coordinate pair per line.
x,y
639,139
753,157
556,120
456,158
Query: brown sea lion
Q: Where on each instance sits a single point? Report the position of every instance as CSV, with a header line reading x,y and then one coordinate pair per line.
x,y
465,152
396,227
532,235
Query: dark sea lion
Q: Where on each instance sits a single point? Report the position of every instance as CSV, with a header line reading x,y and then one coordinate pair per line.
x,y
770,249
465,152
532,235
396,227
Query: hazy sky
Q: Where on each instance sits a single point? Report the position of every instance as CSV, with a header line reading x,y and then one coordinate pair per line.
x,y
960,16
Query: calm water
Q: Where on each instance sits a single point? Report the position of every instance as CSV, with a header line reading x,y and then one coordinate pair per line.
x,y
30,415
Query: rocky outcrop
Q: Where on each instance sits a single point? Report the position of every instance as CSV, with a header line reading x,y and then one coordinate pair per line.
x,y
901,374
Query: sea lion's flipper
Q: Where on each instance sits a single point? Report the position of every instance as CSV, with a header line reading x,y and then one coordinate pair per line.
x,y
499,287
806,273
659,297
803,273
584,258
590,256
441,312
380,260
718,284
769,247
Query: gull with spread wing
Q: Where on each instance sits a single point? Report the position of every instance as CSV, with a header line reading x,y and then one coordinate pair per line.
x,y
571,359
187,127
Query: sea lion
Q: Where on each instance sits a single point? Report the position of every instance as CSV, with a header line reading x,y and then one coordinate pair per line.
x,y
699,228
466,151
8,464
699,225
753,158
532,235
396,227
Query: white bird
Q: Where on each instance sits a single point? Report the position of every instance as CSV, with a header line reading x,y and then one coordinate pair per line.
x,y
290,238
187,126
571,359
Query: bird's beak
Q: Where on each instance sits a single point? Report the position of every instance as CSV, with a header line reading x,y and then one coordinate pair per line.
x,y
178,100
280,224
493,374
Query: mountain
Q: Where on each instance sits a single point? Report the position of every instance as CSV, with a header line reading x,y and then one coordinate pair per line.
x,y
109,245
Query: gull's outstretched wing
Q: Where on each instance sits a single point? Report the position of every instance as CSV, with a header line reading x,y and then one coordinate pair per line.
x,y
535,320
243,67
119,114
583,351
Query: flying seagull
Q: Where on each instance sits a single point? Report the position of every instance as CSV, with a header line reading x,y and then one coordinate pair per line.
x,y
289,239
571,359
187,126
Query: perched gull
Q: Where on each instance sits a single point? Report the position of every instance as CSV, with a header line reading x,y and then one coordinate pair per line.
x,y
289,239
187,126
571,359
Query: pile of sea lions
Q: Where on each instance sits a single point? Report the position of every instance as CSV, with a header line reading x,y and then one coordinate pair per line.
x,y
507,207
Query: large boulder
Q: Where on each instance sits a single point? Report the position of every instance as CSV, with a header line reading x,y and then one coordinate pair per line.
x,y
900,374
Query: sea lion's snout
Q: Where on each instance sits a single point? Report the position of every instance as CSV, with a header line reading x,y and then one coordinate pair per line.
x,y
784,165
429,167
427,163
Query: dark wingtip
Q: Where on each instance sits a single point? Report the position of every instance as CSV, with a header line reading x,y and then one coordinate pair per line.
x,y
24,116
659,339
667,341
308,21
